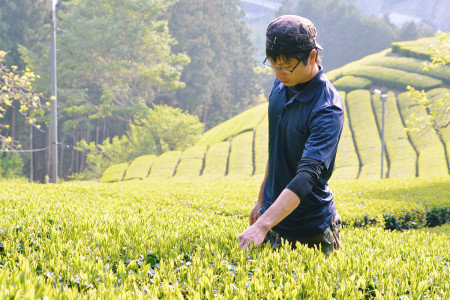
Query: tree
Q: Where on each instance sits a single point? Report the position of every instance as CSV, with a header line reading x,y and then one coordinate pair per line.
x,y
22,22
114,61
164,129
220,81
439,108
16,91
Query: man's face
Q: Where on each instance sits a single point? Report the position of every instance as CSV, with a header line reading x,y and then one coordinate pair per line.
x,y
300,73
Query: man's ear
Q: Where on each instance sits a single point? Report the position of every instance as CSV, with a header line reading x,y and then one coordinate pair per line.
x,y
312,56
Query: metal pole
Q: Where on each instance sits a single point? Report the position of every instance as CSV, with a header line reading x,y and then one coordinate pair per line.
x,y
383,101
54,126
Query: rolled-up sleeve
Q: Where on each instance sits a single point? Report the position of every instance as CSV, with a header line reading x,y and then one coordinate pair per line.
x,y
325,127
308,172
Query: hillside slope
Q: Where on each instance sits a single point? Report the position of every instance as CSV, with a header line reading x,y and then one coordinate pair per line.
x,y
237,148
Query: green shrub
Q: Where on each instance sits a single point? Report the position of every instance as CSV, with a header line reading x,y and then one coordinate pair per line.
x,y
135,239
240,161
400,152
437,216
365,132
140,167
413,219
165,165
191,163
408,64
347,162
10,165
216,161
261,146
245,121
114,173
393,78
418,48
350,83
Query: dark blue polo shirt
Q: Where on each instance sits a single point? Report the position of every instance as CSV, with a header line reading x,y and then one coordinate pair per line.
x,y
308,125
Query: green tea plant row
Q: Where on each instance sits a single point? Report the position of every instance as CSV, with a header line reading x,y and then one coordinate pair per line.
x,y
154,239
347,162
401,154
365,132
244,155
394,68
245,121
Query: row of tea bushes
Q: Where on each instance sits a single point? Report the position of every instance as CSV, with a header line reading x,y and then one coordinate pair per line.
x,y
153,239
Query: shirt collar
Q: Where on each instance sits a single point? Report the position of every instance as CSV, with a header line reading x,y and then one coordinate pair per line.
x,y
311,88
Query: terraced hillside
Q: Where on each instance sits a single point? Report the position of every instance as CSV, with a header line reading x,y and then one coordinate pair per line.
x,y
237,148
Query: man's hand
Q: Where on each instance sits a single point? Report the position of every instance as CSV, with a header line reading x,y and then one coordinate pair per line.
x,y
282,207
254,213
252,237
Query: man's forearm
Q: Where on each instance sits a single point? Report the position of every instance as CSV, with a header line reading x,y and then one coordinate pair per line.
x,y
280,209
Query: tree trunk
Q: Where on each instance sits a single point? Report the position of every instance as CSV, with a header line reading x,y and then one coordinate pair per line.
x,y
49,154
31,154
13,123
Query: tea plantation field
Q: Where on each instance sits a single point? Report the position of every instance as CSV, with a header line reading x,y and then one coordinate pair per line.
x,y
174,239
237,148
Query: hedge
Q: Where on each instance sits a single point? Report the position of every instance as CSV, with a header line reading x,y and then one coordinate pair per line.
x,y
216,161
400,152
240,162
393,78
408,64
418,48
350,83
191,163
165,165
365,132
140,167
114,173
261,146
245,121
347,162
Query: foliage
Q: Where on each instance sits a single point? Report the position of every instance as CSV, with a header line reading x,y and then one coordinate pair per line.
x,y
114,173
191,163
428,144
400,152
166,165
140,167
16,92
23,23
347,165
349,83
164,129
216,160
367,139
240,164
115,60
438,109
220,81
243,122
134,240
10,165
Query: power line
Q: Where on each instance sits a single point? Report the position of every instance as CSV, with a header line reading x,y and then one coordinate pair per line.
x,y
36,150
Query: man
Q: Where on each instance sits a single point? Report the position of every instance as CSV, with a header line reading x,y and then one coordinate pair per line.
x,y
306,116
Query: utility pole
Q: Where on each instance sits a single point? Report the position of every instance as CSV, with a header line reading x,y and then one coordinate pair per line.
x,y
51,5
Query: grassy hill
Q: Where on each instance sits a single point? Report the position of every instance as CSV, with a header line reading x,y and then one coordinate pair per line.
x,y
237,148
